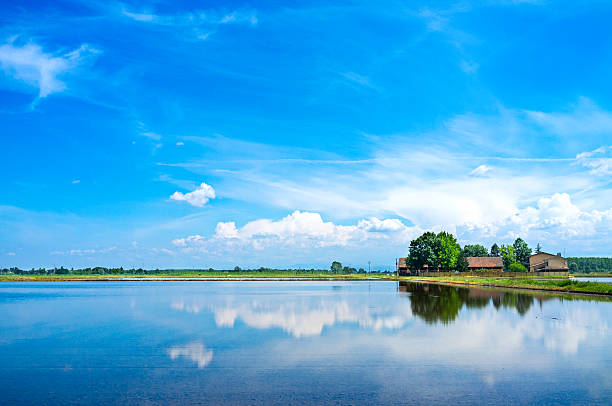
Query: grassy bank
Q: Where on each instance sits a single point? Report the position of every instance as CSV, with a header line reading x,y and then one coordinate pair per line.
x,y
564,285
556,284
210,276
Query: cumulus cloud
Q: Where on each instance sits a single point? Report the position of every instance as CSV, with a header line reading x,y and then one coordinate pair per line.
x,y
305,230
35,67
198,197
194,351
554,218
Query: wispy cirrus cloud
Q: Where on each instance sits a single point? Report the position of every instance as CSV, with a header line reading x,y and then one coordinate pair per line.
x,y
599,161
583,118
30,64
87,251
200,24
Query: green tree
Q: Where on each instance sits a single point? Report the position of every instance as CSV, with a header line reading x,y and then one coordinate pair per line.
x,y
475,250
462,262
494,250
348,270
573,267
336,267
508,255
522,251
423,251
448,250
516,267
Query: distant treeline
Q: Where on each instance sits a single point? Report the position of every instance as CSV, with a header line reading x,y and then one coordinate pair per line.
x,y
140,271
589,264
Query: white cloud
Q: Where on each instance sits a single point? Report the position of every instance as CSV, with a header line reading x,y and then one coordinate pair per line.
x,y
188,241
10,254
553,219
473,173
195,351
198,197
598,160
76,181
586,118
143,17
353,78
151,135
198,24
302,231
31,65
469,67
82,252
480,170
180,143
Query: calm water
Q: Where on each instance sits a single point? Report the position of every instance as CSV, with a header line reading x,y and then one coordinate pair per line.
x,y
600,280
299,342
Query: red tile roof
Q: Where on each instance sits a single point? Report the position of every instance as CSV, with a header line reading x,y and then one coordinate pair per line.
x,y
485,262
401,263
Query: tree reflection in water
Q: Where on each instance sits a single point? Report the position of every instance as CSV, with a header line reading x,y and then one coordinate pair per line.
x,y
440,303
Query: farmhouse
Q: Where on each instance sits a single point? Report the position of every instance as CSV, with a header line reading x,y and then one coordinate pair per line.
x,y
493,264
544,262
402,267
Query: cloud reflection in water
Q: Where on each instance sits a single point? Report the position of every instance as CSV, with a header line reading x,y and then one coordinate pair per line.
x,y
195,351
475,318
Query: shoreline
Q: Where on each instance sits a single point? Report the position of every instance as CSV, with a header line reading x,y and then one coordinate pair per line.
x,y
585,288
550,285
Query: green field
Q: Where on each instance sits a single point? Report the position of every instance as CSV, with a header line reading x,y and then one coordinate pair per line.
x,y
204,275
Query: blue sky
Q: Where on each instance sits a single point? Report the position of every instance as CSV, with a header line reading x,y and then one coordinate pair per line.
x,y
175,134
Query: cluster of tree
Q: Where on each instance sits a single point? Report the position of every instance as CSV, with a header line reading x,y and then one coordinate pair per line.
x,y
590,264
337,268
436,251
442,251
83,271
140,271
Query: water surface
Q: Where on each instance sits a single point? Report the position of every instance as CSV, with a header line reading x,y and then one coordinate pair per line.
x,y
593,279
299,342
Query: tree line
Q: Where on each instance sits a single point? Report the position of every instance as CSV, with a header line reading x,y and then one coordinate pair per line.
x,y
140,271
336,268
589,264
442,251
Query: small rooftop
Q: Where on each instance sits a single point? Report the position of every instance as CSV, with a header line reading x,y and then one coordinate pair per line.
x,y
485,262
